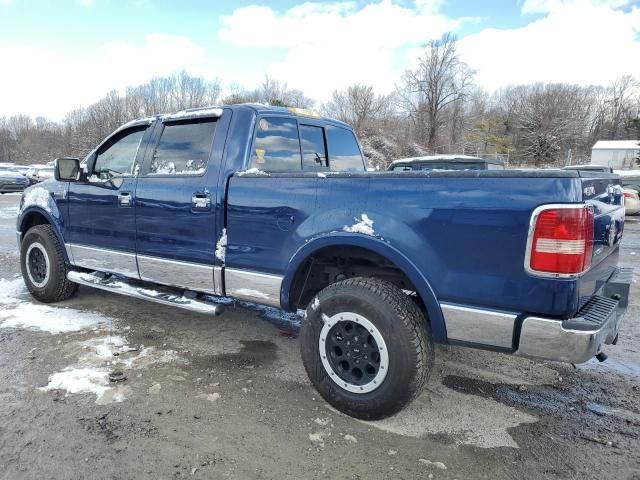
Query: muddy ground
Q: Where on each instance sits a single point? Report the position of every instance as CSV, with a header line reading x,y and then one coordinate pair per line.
x,y
227,397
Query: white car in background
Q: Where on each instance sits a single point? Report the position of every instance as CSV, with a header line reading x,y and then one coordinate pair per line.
x,y
631,201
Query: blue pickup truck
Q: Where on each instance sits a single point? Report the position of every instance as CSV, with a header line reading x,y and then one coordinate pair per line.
x,y
275,206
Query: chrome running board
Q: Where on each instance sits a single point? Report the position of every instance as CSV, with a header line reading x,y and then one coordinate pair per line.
x,y
165,296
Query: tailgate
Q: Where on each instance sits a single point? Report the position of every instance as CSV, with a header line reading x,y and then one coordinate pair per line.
x,y
603,192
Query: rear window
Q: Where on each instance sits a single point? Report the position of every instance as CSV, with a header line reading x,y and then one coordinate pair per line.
x,y
276,147
344,152
314,152
184,148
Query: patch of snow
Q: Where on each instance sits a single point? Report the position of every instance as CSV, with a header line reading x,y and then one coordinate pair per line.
x,y
39,197
137,121
49,319
252,171
221,246
321,175
209,397
11,291
627,173
203,112
364,225
315,304
80,380
104,348
9,212
350,438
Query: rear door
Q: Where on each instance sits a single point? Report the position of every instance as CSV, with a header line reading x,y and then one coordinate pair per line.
x,y
176,203
101,229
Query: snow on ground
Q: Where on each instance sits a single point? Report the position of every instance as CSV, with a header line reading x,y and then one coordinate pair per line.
x,y
80,380
364,225
96,358
17,312
8,213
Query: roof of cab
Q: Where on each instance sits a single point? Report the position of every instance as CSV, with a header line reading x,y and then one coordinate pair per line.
x,y
216,111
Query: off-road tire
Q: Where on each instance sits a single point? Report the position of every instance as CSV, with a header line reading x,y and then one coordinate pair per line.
x,y
403,327
57,286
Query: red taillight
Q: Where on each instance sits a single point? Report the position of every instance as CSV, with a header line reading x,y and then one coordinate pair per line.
x,y
633,195
562,240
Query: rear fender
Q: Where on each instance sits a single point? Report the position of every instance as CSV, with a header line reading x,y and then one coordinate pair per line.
x,y
381,248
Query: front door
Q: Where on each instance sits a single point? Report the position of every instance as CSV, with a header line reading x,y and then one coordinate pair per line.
x,y
101,232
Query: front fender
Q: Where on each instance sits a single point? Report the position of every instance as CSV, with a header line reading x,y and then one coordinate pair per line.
x,y
380,247
38,203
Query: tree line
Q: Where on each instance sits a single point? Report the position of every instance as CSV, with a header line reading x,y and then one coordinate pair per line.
x,y
436,108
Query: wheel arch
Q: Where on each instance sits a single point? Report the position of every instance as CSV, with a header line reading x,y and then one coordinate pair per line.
x,y
33,216
378,247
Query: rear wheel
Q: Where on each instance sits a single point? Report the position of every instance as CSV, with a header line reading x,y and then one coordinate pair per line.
x,y
43,267
366,347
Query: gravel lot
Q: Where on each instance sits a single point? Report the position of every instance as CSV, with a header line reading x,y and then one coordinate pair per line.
x,y
227,397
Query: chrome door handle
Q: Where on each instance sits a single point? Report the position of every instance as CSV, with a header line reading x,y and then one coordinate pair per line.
x,y
201,200
124,199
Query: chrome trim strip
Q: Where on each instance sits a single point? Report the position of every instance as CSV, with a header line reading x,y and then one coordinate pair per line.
x,y
217,279
253,286
67,247
104,260
532,225
192,276
480,326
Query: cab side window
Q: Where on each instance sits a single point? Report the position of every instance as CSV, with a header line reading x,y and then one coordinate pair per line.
x,y
344,152
184,148
276,147
117,158
314,152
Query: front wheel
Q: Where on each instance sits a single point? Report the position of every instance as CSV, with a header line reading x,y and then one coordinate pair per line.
x,y
43,267
366,347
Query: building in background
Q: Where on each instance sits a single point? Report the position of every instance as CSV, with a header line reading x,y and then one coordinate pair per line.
x,y
618,154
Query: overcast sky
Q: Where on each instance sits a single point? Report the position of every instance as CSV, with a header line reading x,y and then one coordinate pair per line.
x,y
60,54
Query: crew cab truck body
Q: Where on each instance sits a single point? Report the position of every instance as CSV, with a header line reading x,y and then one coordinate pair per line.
x,y
275,207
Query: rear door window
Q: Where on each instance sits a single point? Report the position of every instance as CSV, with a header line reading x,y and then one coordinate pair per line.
x,y
184,148
276,147
344,152
314,151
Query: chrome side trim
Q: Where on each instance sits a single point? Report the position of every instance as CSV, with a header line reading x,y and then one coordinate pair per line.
x,y
104,260
532,225
192,276
253,286
67,247
217,279
475,325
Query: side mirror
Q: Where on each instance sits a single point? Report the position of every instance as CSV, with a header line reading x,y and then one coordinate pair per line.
x,y
67,169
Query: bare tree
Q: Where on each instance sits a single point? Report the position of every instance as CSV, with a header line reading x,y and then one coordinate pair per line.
x,y
359,106
440,80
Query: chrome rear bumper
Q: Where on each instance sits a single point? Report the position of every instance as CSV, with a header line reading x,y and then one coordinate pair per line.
x,y
574,340
579,339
